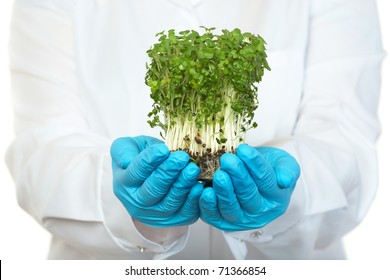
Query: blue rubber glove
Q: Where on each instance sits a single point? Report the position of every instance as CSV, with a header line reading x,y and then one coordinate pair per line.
x,y
158,188
252,188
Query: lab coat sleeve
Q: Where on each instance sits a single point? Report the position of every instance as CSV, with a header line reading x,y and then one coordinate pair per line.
x,y
61,167
335,134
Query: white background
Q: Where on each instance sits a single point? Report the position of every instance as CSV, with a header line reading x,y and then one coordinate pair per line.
x,y
22,239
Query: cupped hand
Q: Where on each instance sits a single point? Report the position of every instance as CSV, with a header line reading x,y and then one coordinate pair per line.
x,y
157,187
252,188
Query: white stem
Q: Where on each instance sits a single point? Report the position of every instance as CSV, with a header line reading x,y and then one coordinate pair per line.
x,y
186,136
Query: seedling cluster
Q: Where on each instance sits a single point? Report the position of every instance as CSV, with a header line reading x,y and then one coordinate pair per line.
x,y
204,88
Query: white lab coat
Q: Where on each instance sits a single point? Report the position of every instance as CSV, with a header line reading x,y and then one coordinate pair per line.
x,y
78,83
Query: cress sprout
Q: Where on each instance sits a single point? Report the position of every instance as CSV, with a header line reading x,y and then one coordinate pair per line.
x,y
204,88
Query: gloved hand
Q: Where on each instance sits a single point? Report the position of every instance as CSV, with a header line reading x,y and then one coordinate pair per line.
x,y
158,188
251,189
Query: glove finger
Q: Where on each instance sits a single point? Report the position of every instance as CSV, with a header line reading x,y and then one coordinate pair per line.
x,y
228,204
123,150
189,212
180,188
157,185
145,141
286,177
209,212
261,171
145,163
286,168
245,187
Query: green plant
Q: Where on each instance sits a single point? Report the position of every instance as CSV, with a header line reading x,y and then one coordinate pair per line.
x,y
204,88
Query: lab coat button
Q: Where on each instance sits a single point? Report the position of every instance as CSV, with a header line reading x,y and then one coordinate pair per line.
x,y
141,249
256,234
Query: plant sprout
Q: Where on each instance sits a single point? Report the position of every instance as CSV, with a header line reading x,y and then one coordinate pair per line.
x,y
204,88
